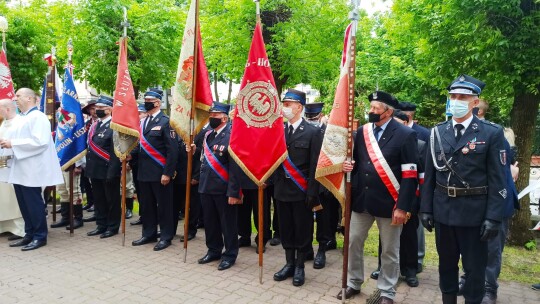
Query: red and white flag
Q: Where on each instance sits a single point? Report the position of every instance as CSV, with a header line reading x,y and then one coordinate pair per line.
x,y
191,73
334,148
257,141
6,83
125,118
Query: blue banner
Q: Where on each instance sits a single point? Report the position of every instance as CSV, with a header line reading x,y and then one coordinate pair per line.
x,y
70,129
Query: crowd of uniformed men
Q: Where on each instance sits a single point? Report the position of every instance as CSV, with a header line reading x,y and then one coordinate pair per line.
x,y
456,179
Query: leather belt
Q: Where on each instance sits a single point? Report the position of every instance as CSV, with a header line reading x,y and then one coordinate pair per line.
x,y
454,191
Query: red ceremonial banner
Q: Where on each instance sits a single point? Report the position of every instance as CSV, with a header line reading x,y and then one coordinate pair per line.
x,y
125,118
6,83
257,141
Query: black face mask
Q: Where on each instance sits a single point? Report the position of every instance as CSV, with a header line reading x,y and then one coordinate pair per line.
x,y
149,106
101,113
214,122
373,117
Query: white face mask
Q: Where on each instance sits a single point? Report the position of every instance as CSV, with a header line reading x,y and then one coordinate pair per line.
x,y
288,113
458,108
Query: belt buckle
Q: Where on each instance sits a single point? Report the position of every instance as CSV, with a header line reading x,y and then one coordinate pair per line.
x,y
452,191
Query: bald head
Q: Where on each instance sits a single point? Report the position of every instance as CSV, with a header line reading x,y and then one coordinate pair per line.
x,y
7,109
25,98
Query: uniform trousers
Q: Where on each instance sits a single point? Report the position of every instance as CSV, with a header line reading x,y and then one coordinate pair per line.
x,y
408,250
179,203
220,226
156,203
452,242
389,236
421,243
32,209
295,225
107,203
494,259
251,203
327,218
86,187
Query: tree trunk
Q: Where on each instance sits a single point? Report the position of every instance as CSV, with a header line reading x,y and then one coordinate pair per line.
x,y
215,85
230,91
524,113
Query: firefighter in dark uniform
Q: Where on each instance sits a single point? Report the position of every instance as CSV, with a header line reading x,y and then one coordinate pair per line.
x,y
103,168
86,186
295,189
464,190
217,198
328,217
157,156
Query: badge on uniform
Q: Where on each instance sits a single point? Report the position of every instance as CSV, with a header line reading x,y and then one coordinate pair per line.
x,y
474,126
156,128
173,134
472,144
465,150
503,193
502,157
221,148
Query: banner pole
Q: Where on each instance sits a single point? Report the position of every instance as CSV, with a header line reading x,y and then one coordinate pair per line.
x,y
71,174
261,232
123,214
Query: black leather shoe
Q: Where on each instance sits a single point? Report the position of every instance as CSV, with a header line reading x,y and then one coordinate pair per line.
x,y
349,292
331,245
87,206
208,258
35,244
22,242
61,223
190,237
137,222
91,209
144,240
299,276
257,249
108,234
489,298
275,241
14,237
129,214
76,224
96,231
412,281
162,245
58,210
320,260
243,242
286,272
91,218
225,265
375,274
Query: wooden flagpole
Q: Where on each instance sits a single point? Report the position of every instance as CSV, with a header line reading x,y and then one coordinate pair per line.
x,y
189,172
260,196
125,25
72,167
50,109
351,70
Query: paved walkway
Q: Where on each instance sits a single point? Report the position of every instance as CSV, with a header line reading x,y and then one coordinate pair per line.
x,y
82,269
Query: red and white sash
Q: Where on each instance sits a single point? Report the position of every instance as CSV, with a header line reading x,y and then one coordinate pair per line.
x,y
94,147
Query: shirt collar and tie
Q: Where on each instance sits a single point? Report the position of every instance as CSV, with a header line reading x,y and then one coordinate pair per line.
x,y
379,130
459,128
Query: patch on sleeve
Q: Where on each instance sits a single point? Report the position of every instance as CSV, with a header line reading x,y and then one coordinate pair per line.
x,y
173,133
502,157
503,193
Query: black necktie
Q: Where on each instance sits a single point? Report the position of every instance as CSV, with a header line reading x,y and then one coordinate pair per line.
x,y
211,136
458,127
290,133
98,124
376,132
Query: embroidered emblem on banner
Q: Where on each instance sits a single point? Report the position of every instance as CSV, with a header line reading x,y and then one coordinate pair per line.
x,y
258,104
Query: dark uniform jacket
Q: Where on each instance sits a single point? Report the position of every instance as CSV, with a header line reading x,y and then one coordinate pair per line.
x,y
160,135
399,147
421,132
97,167
421,164
479,158
304,147
210,182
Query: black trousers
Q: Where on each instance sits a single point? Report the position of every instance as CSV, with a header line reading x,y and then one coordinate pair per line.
x,y
107,203
452,242
220,226
156,202
327,218
251,203
33,211
86,187
135,171
179,203
295,225
408,250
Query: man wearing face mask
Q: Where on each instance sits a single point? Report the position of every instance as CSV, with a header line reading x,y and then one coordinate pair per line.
x,y
219,197
464,191
295,189
327,218
157,159
103,169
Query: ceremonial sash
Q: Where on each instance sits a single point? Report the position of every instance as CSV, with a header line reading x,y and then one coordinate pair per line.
x,y
213,162
95,148
380,163
295,174
151,151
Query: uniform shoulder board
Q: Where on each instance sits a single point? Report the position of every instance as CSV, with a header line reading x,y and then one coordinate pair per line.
x,y
442,123
490,123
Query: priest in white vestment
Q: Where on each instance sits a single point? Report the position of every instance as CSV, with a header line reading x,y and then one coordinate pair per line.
x,y
10,216
35,165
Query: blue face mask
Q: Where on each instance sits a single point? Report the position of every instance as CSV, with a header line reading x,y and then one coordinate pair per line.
x,y
458,108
